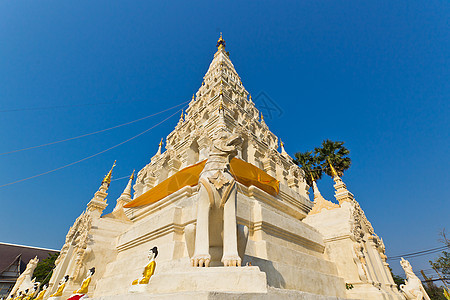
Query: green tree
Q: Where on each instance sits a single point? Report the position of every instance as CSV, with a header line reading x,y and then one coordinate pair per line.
x,y
309,164
442,263
335,154
44,268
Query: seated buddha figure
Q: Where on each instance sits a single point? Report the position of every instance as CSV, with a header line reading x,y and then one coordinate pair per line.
x,y
62,284
149,268
41,294
81,293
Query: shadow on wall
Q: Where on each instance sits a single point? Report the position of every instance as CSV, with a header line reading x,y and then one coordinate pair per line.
x,y
273,277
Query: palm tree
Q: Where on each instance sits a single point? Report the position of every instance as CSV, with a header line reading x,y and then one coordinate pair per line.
x,y
309,164
333,155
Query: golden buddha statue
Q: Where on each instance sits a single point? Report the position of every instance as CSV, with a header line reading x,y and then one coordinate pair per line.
x,y
41,294
80,293
62,285
86,282
149,269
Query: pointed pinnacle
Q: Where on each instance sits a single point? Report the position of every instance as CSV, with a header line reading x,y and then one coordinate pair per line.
x,y
108,176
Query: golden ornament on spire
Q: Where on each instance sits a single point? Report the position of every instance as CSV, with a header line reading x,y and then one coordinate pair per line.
x,y
262,117
333,170
132,175
193,96
181,117
220,43
108,176
221,106
161,142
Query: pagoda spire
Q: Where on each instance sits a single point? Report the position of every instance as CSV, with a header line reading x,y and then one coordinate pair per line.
x,y
107,178
125,197
221,43
98,202
161,143
283,152
341,193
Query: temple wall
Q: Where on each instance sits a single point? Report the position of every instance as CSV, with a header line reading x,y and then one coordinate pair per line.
x,y
358,262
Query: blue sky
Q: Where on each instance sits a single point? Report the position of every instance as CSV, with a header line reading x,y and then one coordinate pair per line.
x,y
372,74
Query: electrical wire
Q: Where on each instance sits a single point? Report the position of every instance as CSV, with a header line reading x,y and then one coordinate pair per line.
x,y
120,178
90,156
68,106
92,133
420,253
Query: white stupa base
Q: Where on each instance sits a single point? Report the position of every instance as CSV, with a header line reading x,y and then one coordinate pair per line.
x,y
272,293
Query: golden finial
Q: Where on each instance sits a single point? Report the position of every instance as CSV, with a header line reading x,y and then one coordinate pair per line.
x,y
221,106
108,176
333,170
312,176
181,118
161,142
262,117
220,43
132,175
193,96
250,97
281,144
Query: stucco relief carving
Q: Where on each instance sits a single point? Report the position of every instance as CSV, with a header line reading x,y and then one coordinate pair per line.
x,y
78,237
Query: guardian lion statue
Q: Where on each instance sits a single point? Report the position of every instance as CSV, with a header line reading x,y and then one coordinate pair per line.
x,y
217,202
413,289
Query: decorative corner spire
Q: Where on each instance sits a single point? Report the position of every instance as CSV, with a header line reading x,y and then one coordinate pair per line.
x,y
283,152
160,147
125,197
220,43
262,117
250,97
333,170
193,96
108,176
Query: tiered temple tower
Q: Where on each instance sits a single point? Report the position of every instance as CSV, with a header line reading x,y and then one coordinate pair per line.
x,y
282,256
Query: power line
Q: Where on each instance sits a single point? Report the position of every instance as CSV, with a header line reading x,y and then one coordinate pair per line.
x,y
68,106
92,133
91,156
420,253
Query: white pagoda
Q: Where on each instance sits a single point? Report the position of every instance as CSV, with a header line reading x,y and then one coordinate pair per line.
x,y
229,214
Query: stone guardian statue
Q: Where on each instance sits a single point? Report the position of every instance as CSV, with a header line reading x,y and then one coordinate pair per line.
x,y
413,289
24,281
217,203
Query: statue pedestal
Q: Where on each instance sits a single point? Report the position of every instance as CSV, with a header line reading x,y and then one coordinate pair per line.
x,y
213,279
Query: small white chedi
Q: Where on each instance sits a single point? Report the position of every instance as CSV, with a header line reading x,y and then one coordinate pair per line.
x,y
230,215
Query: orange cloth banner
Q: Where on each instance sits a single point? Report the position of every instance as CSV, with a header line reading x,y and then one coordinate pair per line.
x,y
244,172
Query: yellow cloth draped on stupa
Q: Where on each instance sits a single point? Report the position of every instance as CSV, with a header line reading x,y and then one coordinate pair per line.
x,y
244,172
